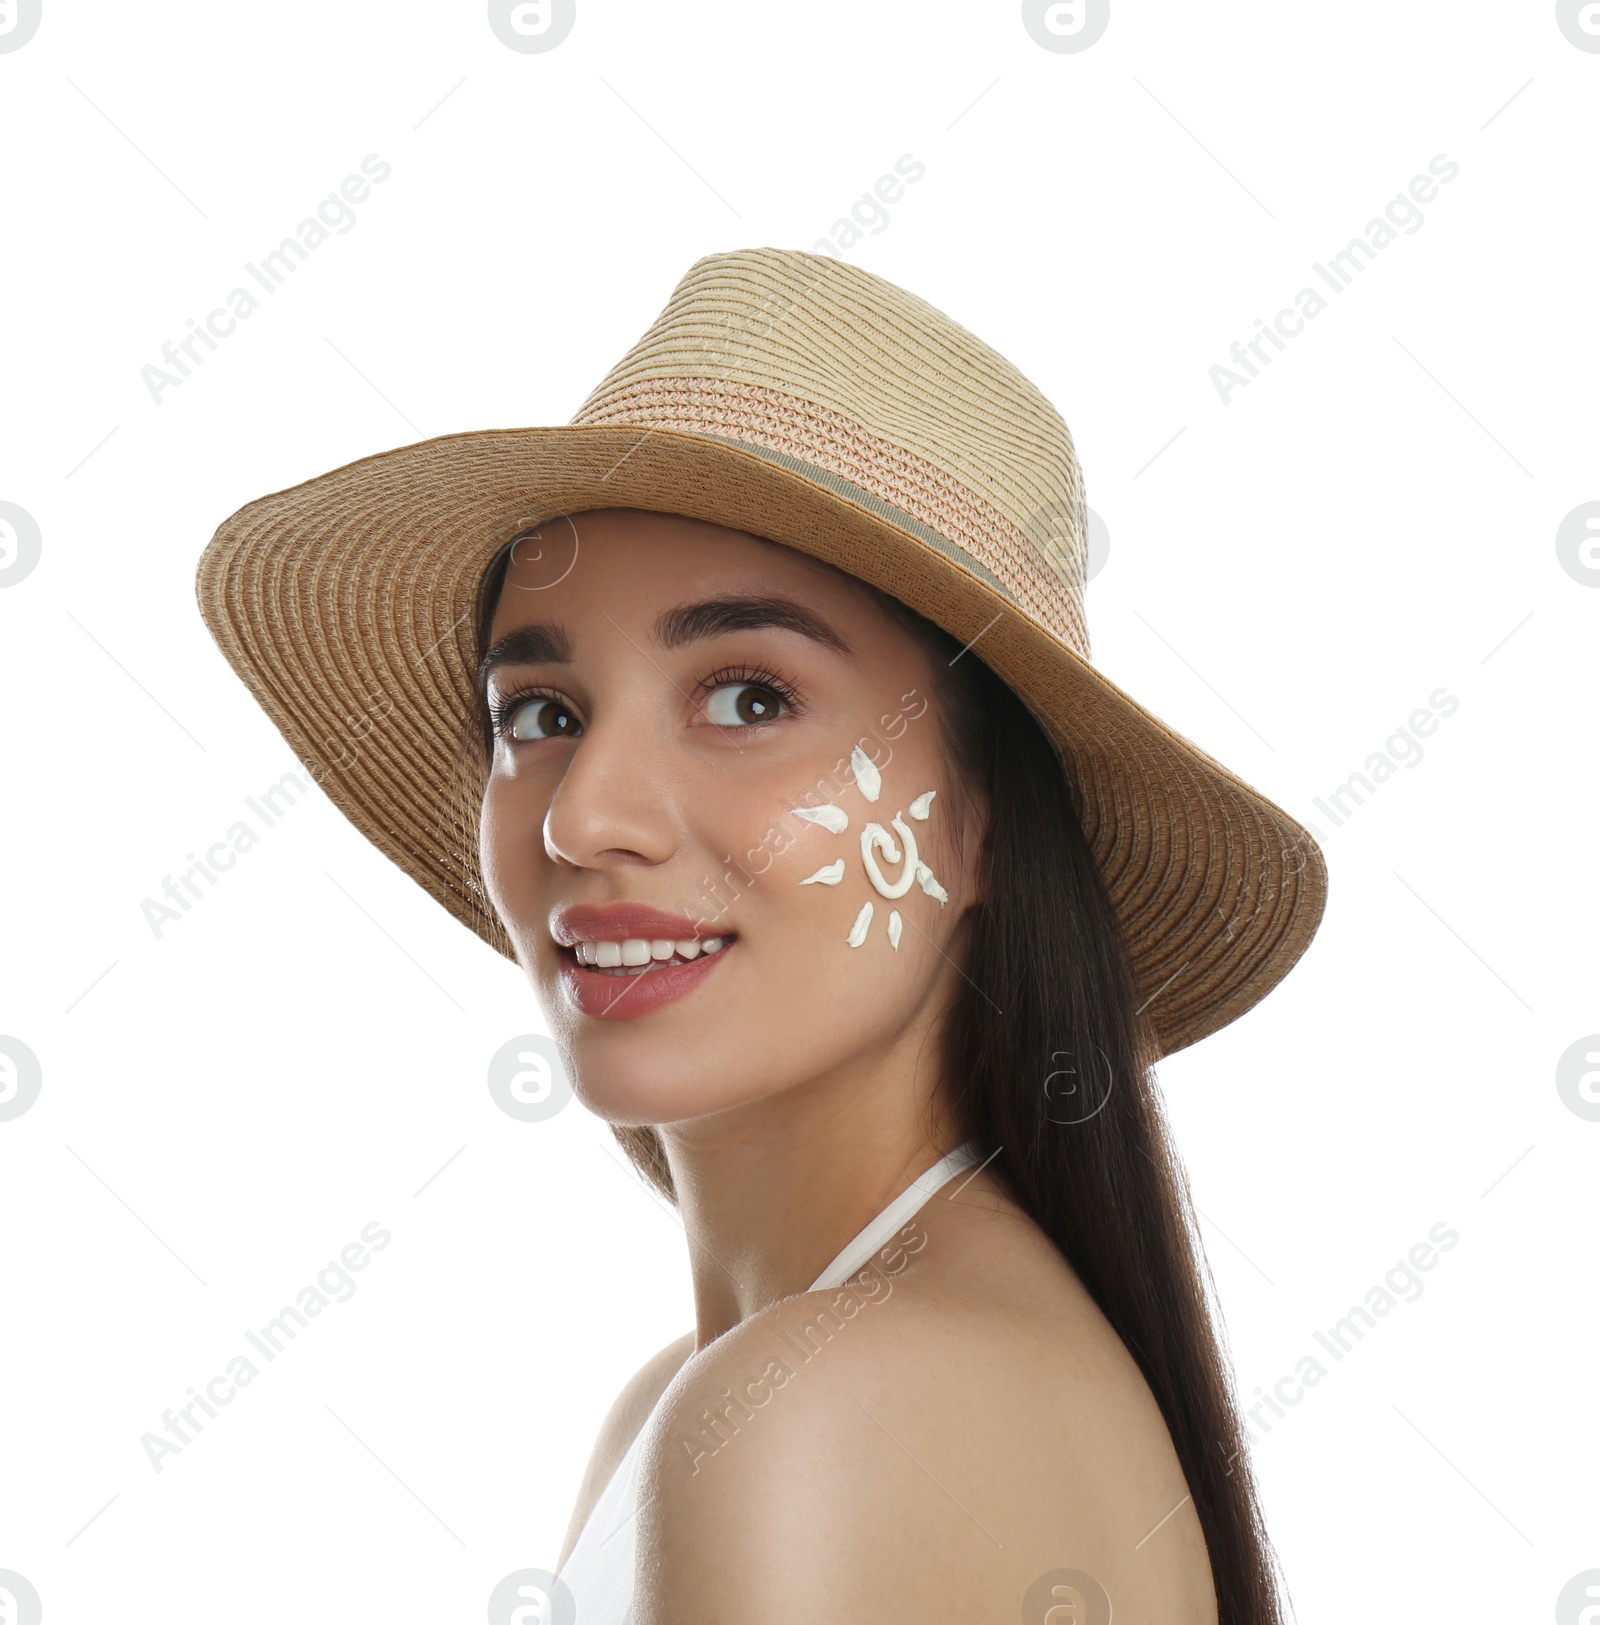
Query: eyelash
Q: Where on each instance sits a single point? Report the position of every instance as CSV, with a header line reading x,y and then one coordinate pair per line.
x,y
761,676
503,709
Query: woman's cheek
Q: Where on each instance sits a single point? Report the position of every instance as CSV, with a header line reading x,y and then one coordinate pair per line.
x,y
511,855
820,881
760,857
877,886
490,838
802,880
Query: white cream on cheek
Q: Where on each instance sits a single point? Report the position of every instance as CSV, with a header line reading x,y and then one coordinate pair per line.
x,y
876,839
830,874
869,781
930,885
834,819
876,836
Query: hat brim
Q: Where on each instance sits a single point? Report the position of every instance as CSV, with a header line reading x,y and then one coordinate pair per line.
x,y
347,605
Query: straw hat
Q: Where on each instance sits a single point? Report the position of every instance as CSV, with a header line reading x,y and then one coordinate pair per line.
x,y
800,399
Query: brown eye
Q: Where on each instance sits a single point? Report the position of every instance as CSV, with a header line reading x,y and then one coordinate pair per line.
x,y
544,719
738,705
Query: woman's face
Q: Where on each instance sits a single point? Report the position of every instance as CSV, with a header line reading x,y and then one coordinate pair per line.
x,y
667,695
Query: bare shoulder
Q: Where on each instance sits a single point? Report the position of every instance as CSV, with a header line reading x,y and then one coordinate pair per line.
x,y
621,1427
937,1439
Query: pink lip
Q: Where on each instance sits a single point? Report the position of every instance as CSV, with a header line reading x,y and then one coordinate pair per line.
x,y
615,922
617,998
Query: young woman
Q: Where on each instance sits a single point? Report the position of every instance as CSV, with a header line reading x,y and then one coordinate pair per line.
x,y
757,724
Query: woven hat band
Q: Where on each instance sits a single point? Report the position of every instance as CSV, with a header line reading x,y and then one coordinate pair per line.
x,y
894,482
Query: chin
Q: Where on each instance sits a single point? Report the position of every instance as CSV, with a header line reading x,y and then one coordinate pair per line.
x,y
628,1086
719,1047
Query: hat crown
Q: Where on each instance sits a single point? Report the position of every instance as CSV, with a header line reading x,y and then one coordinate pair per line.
x,y
838,374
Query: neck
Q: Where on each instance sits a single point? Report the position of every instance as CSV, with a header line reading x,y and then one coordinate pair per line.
x,y
769,1193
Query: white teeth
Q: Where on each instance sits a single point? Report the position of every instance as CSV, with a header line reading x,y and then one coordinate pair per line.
x,y
868,779
834,819
635,953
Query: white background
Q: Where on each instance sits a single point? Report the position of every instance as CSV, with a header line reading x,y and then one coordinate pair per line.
x,y
1372,519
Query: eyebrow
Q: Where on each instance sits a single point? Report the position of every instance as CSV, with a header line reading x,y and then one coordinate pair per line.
x,y
535,645
713,617
548,643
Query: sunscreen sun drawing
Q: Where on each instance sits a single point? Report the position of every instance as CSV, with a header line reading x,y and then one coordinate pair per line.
x,y
876,841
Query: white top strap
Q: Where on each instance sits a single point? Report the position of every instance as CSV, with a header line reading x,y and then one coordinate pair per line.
x,y
877,1233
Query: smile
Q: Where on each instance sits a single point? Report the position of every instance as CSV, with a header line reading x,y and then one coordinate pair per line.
x,y
619,960
634,955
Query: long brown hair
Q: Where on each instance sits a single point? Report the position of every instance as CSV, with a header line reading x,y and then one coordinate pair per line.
x,y
1049,1058
1049,1063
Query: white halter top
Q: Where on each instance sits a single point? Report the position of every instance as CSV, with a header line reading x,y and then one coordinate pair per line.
x,y
599,1571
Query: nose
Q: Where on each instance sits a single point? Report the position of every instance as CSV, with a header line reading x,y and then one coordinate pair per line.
x,y
612,808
